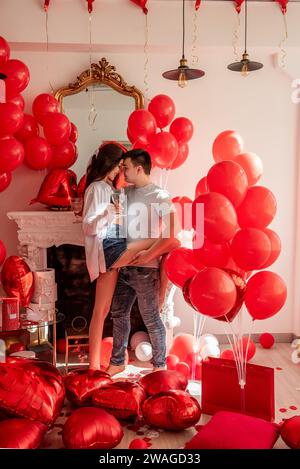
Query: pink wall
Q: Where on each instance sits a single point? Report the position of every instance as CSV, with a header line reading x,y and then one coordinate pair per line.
x,y
258,107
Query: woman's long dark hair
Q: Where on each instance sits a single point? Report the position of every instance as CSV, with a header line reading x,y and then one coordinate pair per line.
x,y
107,157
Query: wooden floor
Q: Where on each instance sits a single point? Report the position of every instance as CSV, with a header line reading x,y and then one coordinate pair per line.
x,y
287,404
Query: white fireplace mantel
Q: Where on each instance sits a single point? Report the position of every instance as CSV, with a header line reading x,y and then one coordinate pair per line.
x,y
39,230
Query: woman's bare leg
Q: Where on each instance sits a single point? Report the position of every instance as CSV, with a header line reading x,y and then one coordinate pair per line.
x,y
105,288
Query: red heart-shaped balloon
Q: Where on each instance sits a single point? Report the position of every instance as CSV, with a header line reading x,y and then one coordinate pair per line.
x,y
122,399
57,188
240,294
81,384
31,388
172,410
164,380
17,279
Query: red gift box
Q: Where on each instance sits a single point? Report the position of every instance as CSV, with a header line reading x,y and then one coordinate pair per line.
x,y
221,389
10,314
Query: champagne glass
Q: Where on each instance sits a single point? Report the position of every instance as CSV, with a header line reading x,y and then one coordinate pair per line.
x,y
76,207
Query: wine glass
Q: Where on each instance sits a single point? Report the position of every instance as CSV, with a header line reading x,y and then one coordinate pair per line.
x,y
76,206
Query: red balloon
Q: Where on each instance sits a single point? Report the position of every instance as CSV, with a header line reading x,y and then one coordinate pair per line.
x,y
250,248
18,100
57,128
201,187
183,206
21,434
252,165
183,368
213,292
290,431
43,104
257,209
17,279
180,266
162,381
28,129
4,50
162,107
81,186
38,153
74,133
2,252
186,292
163,148
227,355
212,254
32,389
141,124
183,153
173,410
11,119
228,178
5,180
183,344
171,361
240,285
64,156
142,4
140,143
182,129
266,340
265,295
81,384
122,399
227,145
275,247
91,428
220,220
11,154
56,189
17,76
138,443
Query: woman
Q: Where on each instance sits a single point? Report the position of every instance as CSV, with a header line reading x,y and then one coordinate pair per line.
x,y
106,251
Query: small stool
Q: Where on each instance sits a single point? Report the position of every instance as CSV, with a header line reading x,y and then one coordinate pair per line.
x,y
75,339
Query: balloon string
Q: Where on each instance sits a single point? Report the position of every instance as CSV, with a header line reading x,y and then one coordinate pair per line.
x,y
235,348
281,44
199,321
236,34
47,51
194,56
146,63
92,116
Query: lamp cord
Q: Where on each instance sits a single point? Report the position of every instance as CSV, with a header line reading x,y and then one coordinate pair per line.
x,y
246,21
183,28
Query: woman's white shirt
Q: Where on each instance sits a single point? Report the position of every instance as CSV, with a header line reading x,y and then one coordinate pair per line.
x,y
97,215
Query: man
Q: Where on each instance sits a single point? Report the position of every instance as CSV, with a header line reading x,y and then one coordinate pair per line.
x,y
150,214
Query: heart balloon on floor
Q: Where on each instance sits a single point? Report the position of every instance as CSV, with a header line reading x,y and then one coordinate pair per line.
x,y
164,380
21,434
122,399
172,410
91,428
81,384
17,279
32,389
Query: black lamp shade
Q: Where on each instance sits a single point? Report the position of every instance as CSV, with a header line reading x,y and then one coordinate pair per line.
x,y
251,66
190,73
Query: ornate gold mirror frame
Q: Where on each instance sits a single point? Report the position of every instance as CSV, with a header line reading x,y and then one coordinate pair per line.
x,y
102,73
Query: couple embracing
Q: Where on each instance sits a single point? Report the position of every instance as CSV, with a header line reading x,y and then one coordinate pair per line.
x,y
126,245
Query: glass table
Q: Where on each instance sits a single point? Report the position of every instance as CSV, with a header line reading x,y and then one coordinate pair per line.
x,y
38,326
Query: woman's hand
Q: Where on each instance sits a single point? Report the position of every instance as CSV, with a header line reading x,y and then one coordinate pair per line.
x,y
141,258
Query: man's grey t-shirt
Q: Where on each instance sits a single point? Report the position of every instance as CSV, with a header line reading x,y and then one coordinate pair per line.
x,y
144,207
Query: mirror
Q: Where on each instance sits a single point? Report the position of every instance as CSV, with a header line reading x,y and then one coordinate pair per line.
x,y
99,104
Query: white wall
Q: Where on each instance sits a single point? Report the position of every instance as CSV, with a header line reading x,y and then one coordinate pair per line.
x,y
258,107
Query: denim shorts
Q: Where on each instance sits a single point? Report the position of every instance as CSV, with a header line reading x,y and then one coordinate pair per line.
x,y
113,246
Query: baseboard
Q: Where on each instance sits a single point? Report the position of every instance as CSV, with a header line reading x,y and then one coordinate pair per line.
x,y
285,337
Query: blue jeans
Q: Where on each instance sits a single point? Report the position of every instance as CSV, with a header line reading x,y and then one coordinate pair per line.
x,y
142,283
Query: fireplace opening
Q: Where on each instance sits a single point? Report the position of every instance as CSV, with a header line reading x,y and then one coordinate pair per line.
x,y
75,292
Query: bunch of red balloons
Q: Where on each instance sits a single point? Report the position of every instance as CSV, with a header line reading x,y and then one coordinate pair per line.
x,y
230,217
168,148
20,133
